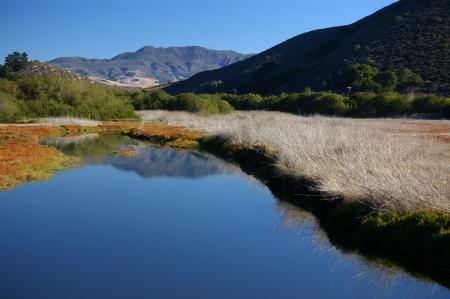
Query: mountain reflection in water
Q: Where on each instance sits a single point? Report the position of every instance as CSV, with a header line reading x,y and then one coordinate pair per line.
x,y
146,161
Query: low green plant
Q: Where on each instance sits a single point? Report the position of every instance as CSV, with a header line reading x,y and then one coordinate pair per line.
x,y
9,111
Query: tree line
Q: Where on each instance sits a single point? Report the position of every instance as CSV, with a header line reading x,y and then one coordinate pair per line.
x,y
373,93
308,102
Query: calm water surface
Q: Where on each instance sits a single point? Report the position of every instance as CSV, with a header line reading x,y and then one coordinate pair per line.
x,y
172,224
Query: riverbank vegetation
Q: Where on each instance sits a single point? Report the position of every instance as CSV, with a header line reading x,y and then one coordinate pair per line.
x,y
23,158
200,103
365,104
386,165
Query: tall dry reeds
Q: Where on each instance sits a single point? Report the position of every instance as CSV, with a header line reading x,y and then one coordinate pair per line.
x,y
367,160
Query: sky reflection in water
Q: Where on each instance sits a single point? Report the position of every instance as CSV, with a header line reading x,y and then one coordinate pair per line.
x,y
172,224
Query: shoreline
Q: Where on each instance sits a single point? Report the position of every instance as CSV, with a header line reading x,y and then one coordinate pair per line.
x,y
418,242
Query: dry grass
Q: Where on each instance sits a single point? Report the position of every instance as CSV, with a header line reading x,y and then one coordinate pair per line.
x,y
385,164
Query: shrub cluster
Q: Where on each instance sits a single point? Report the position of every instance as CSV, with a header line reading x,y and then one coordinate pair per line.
x,y
49,96
199,103
366,77
359,104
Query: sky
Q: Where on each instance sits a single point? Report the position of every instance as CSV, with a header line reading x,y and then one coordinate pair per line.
x,y
48,29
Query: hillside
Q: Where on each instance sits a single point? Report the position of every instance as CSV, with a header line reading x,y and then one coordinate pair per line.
x,y
37,68
160,64
409,33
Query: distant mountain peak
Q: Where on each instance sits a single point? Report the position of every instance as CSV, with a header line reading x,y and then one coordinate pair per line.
x,y
159,64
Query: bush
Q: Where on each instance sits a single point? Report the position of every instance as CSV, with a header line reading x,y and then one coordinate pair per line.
x,y
430,104
8,108
309,102
362,77
152,100
365,77
386,104
198,103
224,106
360,104
329,104
9,87
408,79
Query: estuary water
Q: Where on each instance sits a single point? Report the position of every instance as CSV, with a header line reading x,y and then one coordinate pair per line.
x,y
139,221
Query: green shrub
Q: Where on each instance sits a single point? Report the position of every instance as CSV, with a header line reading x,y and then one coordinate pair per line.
x,y
8,108
224,106
9,87
407,78
151,100
362,77
424,235
329,104
198,103
430,104
367,104
365,77
44,96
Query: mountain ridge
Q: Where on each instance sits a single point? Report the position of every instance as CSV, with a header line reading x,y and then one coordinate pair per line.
x,y
160,64
410,34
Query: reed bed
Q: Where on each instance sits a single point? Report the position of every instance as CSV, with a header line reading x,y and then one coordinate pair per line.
x,y
384,164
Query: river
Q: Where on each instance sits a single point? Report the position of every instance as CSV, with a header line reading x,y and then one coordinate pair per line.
x,y
166,223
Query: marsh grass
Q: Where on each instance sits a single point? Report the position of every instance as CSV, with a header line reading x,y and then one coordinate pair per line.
x,y
378,163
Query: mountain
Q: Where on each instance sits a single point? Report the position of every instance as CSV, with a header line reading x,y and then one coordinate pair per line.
x,y
150,66
409,33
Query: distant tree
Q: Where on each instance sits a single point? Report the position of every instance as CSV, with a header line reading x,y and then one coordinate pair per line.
x,y
16,61
362,77
388,80
407,78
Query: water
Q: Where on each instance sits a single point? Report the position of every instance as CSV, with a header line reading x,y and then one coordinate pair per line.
x,y
173,224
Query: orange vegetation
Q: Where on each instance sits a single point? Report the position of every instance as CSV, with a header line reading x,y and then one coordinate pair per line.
x,y
22,158
438,130
175,136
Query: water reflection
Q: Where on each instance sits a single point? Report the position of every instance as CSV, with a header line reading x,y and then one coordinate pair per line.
x,y
102,232
356,268
145,160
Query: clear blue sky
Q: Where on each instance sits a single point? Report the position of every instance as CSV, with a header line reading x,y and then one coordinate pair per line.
x,y
47,29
